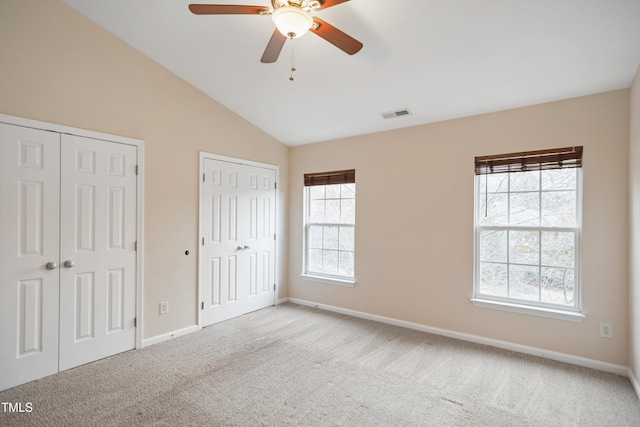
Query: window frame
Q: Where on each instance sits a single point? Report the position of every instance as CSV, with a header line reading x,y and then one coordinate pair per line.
x,y
540,308
326,179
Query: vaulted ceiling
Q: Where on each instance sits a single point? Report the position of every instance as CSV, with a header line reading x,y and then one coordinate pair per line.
x,y
440,59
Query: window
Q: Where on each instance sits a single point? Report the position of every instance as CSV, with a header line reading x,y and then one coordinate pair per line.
x,y
528,229
330,202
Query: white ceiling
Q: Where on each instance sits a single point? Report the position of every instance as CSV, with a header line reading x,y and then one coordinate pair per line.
x,y
441,59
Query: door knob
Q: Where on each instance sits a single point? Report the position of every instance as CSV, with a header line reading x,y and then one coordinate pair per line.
x,y
239,248
51,265
246,247
68,264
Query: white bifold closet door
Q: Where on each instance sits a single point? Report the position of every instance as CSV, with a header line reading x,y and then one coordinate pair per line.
x,y
29,241
237,257
98,235
67,251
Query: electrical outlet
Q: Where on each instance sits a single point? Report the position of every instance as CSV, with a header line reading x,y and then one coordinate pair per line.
x,y
606,330
164,307
295,280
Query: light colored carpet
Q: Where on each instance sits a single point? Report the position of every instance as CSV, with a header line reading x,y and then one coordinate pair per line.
x,y
296,366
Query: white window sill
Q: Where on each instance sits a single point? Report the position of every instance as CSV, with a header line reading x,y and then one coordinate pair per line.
x,y
329,280
570,316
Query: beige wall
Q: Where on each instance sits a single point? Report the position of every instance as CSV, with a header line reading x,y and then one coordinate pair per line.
x,y
59,67
414,221
634,213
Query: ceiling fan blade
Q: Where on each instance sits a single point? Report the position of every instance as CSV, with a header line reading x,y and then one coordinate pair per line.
x,y
273,48
328,3
227,9
336,37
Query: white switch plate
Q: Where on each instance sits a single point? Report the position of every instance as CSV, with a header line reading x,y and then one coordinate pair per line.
x,y
164,307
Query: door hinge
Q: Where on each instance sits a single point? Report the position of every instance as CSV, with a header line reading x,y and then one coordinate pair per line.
x,y
135,322
275,185
135,244
202,305
274,286
203,241
274,236
203,180
136,169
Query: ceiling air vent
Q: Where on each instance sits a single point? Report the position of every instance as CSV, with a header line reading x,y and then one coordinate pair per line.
x,y
397,113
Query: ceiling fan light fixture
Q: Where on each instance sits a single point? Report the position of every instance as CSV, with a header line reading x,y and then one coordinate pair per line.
x,y
292,21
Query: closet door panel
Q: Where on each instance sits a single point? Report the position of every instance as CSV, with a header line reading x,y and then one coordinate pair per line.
x,y
98,233
29,232
260,235
223,212
237,256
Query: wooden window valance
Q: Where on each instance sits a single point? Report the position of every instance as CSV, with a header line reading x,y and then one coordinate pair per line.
x,y
328,178
558,158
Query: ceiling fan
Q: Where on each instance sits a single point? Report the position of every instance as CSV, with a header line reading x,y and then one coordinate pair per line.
x,y
292,19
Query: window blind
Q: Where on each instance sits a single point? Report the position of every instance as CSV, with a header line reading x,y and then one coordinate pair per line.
x,y
328,178
557,158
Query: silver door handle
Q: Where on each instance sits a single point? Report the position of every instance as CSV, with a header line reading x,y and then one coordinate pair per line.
x,y
246,247
51,265
239,248
68,264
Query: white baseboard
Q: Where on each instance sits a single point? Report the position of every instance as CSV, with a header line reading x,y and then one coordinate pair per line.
x,y
282,301
534,351
165,337
634,381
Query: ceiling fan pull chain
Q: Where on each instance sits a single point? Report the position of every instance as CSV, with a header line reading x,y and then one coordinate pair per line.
x,y
293,68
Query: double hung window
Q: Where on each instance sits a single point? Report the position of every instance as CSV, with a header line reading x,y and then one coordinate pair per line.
x,y
330,199
527,228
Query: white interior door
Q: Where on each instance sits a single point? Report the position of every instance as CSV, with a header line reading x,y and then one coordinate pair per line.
x,y
68,228
97,249
29,230
237,257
